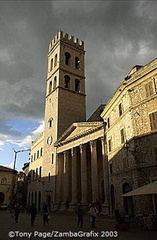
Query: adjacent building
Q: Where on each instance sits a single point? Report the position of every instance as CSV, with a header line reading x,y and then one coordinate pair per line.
x,y
131,136
7,185
100,159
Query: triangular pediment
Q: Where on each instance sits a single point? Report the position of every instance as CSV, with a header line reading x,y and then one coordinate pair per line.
x,y
78,129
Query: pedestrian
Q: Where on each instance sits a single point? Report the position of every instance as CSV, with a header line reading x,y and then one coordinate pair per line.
x,y
17,212
45,215
80,213
33,213
93,213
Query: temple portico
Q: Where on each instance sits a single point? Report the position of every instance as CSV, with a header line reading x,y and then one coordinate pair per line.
x,y
82,174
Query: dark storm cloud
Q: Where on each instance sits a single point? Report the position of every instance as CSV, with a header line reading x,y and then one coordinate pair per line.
x,y
117,35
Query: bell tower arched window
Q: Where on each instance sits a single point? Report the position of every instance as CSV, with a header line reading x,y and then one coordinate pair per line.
x,y
67,58
77,63
55,63
50,87
67,82
77,85
55,83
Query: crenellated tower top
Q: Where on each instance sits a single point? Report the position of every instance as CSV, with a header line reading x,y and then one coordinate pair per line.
x,y
66,39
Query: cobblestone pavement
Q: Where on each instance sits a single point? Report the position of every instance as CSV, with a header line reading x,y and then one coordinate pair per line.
x,y
66,224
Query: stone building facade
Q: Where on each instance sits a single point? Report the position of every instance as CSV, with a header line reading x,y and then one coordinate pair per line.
x,y
131,135
100,159
8,179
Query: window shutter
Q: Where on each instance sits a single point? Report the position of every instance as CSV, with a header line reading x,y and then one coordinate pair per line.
x,y
149,89
153,120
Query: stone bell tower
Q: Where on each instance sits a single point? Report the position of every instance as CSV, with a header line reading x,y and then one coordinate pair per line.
x,y
65,101
65,87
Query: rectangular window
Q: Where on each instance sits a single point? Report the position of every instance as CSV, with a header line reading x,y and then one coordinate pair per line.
x,y
122,136
108,122
49,178
149,89
120,109
109,145
33,174
36,172
40,170
153,120
41,152
52,158
51,64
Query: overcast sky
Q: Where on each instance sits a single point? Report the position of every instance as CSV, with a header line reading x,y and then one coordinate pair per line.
x,y
117,36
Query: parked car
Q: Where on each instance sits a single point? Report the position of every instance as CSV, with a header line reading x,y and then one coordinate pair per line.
x,y
3,206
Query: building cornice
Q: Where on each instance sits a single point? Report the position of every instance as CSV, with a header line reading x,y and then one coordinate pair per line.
x,y
65,90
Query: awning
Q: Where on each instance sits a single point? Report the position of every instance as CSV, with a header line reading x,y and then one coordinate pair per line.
x,y
150,188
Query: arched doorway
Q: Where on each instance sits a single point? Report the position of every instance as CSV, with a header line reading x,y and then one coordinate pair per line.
x,y
128,201
2,196
112,199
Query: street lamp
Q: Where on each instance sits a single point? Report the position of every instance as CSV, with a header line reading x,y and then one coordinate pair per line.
x,y
16,152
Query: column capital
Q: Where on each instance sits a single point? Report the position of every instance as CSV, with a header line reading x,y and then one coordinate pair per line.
x,y
93,143
65,154
73,151
102,139
82,147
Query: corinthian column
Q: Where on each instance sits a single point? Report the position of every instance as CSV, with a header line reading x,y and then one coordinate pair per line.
x,y
105,176
65,180
66,176
83,173
94,171
74,176
59,178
